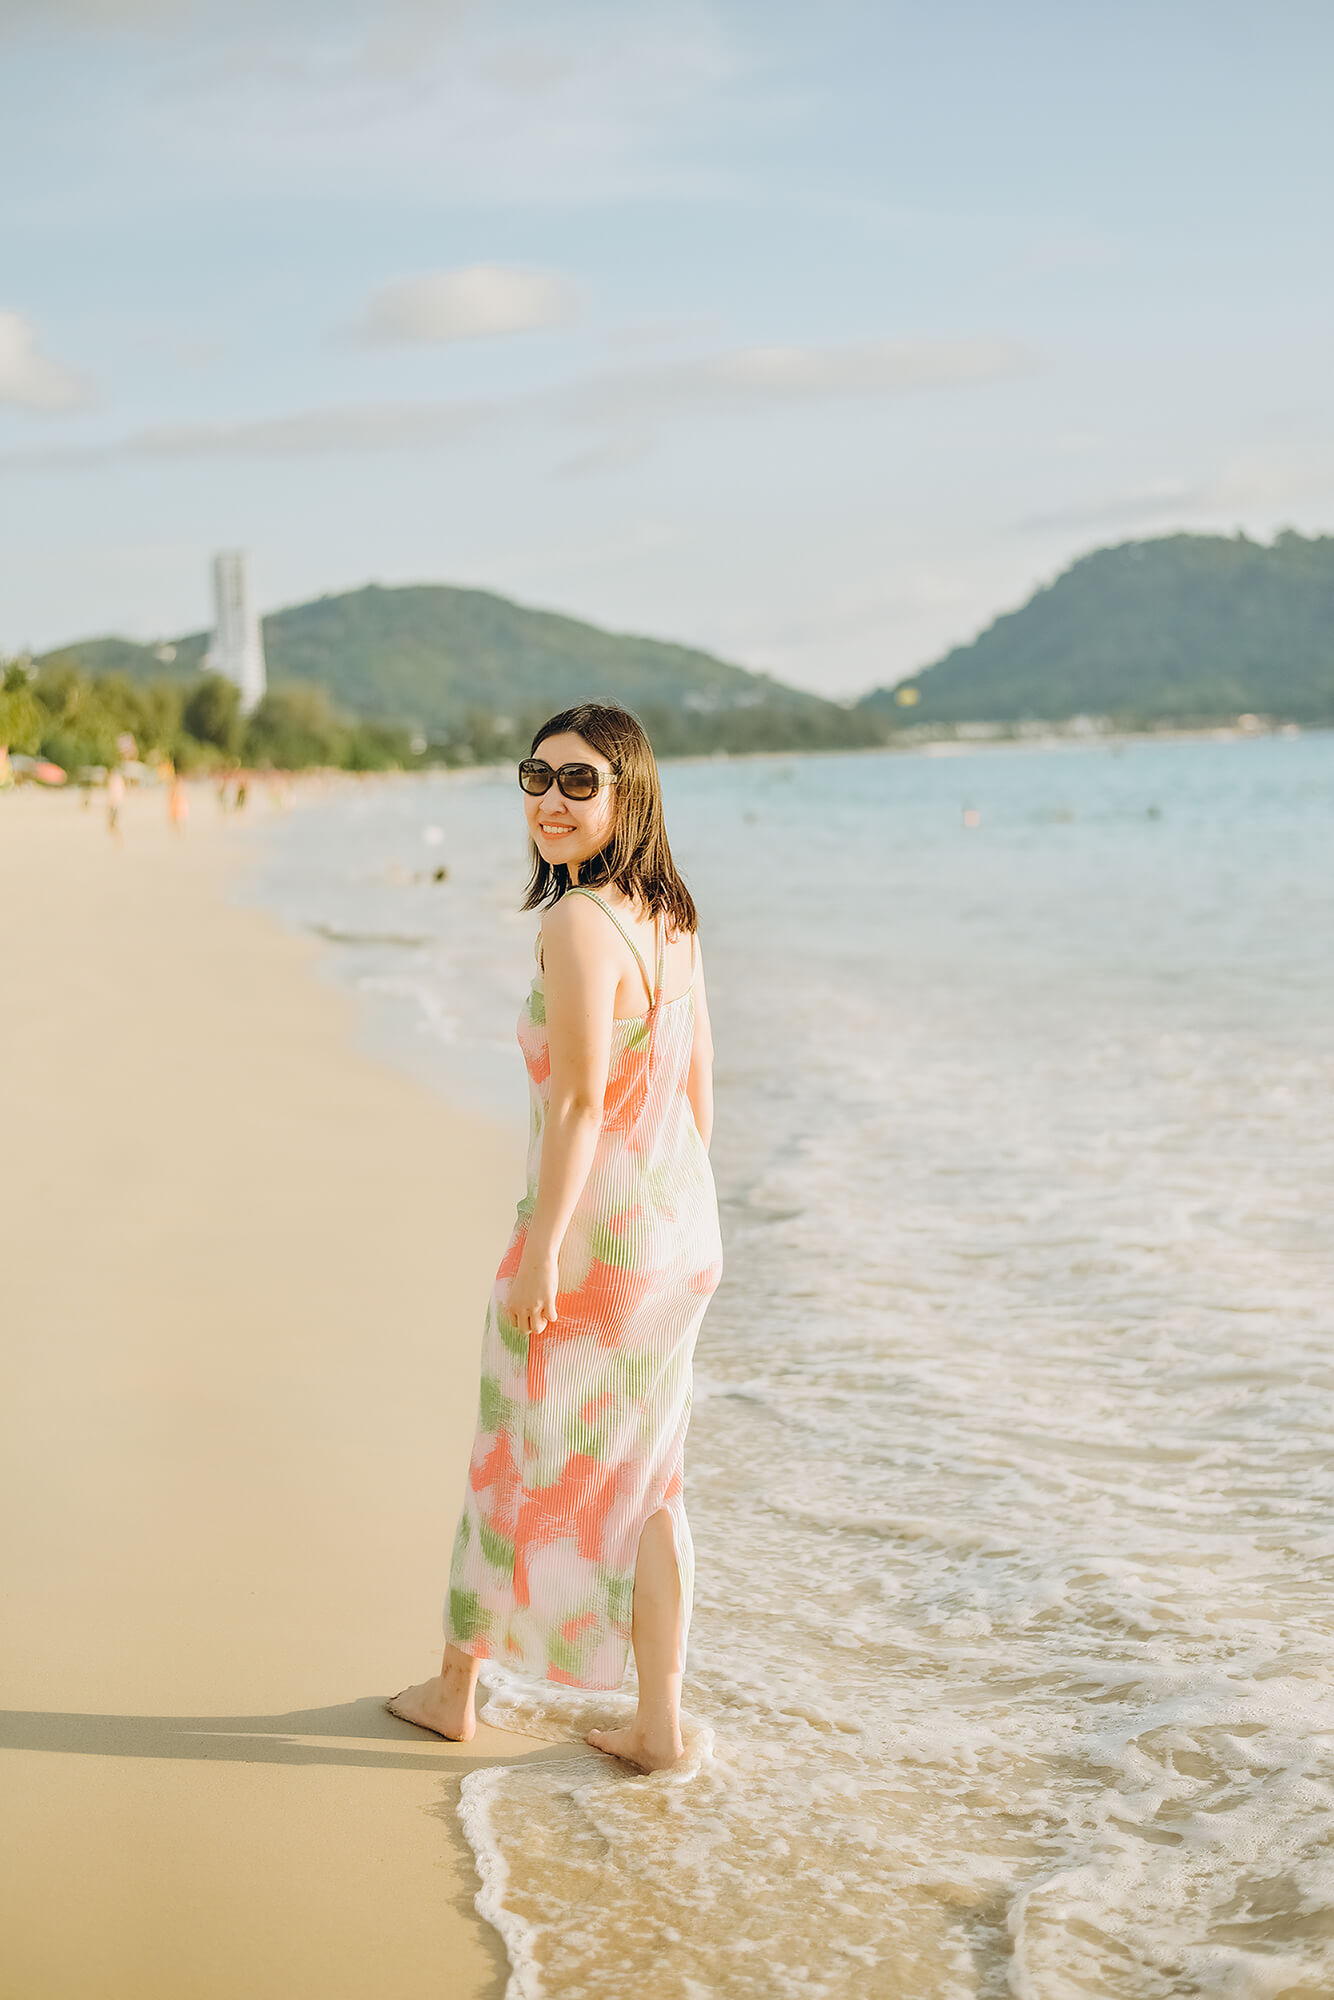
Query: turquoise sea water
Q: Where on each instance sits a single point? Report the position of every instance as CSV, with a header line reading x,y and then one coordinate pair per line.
x,y
1010,1469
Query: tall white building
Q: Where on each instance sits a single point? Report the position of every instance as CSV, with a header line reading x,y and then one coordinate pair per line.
x,y
237,649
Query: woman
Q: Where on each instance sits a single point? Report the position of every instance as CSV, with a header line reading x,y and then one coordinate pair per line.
x,y
573,1542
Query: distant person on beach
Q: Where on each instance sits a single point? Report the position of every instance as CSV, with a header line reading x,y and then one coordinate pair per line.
x,y
573,1543
115,800
178,803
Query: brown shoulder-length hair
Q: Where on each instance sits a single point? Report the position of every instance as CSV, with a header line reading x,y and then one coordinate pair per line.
x,y
637,859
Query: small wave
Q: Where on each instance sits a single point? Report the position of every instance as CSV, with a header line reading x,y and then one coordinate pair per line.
x,y
333,934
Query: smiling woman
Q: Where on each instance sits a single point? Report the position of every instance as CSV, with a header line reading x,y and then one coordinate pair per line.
x,y
573,1542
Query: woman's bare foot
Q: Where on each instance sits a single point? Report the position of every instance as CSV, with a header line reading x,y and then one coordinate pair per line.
x,y
647,1749
443,1704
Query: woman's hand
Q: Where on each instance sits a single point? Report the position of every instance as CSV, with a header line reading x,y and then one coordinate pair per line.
x,y
531,1299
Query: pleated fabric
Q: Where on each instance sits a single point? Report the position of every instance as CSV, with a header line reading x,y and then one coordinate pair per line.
x,y
581,1429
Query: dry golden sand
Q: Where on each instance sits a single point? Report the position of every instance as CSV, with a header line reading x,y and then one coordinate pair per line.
x,y
244,1276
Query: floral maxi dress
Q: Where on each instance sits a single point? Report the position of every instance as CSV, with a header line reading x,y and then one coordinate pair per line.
x,y
581,1428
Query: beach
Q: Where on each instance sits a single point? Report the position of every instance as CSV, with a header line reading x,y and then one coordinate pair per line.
x,y
1008,1467
243,1294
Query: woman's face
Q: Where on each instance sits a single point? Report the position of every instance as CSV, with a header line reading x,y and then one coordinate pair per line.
x,y
570,830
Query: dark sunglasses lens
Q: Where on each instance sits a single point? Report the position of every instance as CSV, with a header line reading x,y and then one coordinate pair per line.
x,y
535,776
578,781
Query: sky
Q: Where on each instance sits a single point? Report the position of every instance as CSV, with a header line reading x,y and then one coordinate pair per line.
x,y
816,336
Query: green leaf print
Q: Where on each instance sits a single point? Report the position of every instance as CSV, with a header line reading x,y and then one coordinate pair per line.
x,y
494,1408
497,1548
537,1007
620,1592
660,1187
591,1440
515,1342
617,1248
633,1375
468,1619
568,1654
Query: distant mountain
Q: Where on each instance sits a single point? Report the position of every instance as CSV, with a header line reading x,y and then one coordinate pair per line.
x,y
429,656
1187,629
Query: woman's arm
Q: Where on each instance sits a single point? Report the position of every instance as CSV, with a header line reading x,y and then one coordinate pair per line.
x,y
580,976
699,1080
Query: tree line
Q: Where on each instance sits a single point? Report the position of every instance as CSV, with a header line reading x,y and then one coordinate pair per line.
x,y
79,721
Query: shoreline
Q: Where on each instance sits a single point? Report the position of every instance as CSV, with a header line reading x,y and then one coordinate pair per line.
x,y
244,1311
300,787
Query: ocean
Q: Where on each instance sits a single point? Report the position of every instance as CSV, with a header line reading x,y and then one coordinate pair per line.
x,y
1010,1470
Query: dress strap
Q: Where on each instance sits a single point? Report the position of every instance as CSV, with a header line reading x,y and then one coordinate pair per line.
x,y
576,890
660,931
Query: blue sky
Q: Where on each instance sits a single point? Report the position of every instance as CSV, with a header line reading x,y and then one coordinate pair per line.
x,y
815,335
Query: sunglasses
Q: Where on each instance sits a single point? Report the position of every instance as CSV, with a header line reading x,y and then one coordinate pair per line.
x,y
573,781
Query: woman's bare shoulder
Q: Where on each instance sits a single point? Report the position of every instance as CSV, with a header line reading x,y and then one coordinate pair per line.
x,y
578,931
574,916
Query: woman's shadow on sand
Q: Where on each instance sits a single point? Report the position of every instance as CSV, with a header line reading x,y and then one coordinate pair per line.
x,y
362,1725
360,1733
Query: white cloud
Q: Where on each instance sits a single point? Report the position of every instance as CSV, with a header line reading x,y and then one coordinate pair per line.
x,y
623,410
466,304
853,368
30,377
617,413
1156,501
370,427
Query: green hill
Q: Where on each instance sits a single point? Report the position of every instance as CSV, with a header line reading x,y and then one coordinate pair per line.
x,y
430,657
1188,629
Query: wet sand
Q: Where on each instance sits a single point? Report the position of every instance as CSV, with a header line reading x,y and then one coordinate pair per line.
x,y
243,1290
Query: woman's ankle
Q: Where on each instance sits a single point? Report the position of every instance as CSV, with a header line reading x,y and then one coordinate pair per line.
x,y
658,1724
